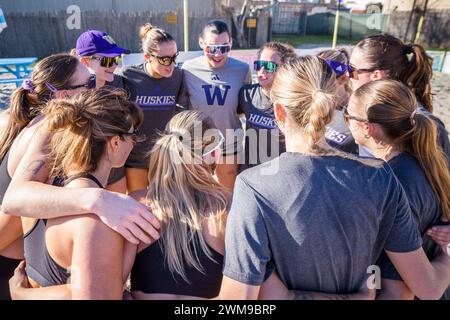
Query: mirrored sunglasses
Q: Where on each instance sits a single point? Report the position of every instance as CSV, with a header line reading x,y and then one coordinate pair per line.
x,y
214,49
269,66
107,62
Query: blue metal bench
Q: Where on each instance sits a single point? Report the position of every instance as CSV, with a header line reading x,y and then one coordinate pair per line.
x,y
17,67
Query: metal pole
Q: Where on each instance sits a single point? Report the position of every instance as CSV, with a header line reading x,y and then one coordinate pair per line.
x,y
336,25
186,25
419,27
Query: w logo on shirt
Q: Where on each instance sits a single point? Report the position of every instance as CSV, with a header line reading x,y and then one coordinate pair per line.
x,y
216,94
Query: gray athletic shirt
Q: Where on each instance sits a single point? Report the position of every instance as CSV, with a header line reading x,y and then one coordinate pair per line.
x,y
321,221
216,91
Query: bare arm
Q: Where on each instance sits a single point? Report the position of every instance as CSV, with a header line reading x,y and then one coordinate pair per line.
x,y
274,289
235,290
394,290
10,230
96,271
20,288
29,196
427,281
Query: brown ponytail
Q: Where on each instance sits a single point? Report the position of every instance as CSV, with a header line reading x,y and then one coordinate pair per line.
x,y
28,100
82,126
393,106
407,63
152,36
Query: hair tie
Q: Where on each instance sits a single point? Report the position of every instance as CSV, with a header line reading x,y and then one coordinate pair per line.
x,y
28,86
408,51
411,117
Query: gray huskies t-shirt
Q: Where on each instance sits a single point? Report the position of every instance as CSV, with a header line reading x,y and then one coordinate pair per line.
x,y
216,91
320,221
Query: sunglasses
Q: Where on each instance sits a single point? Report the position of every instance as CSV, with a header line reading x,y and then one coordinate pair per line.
x,y
218,146
347,117
90,84
135,135
214,49
338,68
269,66
107,62
166,60
354,72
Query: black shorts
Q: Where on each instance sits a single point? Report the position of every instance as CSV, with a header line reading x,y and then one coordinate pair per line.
x,y
7,267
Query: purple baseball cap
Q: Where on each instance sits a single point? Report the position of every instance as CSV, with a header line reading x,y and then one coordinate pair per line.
x,y
98,42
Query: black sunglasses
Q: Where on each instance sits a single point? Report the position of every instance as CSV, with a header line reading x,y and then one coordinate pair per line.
x,y
135,135
107,62
353,71
166,60
347,117
90,84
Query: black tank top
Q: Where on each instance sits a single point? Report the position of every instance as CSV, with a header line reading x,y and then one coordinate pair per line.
x,y
150,274
7,265
40,265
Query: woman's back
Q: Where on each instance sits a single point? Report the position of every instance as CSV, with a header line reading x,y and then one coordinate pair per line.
x,y
333,215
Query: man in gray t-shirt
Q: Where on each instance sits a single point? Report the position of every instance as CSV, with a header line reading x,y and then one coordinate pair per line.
x,y
215,91
320,221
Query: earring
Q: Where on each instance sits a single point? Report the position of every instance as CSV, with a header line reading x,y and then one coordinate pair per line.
x,y
279,123
366,136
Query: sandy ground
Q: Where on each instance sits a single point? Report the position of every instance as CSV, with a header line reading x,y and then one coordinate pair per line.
x,y
440,89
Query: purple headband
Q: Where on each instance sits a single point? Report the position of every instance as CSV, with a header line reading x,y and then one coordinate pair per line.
x,y
28,85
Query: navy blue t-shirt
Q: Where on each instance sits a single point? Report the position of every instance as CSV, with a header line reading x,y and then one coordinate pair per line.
x,y
320,221
424,204
158,99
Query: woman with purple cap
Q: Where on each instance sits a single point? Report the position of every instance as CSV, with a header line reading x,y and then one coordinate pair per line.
x,y
100,54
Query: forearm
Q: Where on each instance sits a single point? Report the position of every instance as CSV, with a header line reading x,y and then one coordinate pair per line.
x,y
441,266
308,295
61,292
38,200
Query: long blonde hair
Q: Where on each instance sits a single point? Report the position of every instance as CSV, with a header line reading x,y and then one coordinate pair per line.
x,y
393,106
83,124
182,191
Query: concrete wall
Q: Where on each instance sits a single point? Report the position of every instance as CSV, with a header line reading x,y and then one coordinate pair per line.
x,y
38,28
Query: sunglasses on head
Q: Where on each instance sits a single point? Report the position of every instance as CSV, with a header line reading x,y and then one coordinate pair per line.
x,y
90,84
166,60
107,62
269,66
214,49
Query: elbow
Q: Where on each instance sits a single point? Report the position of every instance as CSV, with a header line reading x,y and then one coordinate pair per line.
x,y
9,205
430,293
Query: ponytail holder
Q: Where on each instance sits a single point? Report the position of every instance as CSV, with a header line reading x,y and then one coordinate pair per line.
x,y
409,52
411,117
28,86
